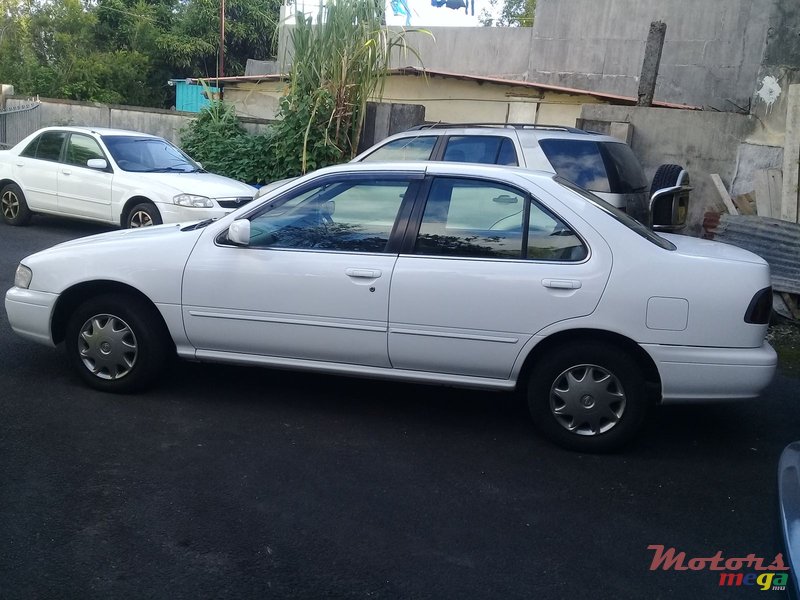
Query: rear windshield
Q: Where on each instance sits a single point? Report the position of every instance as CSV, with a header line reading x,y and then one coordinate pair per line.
x,y
605,167
617,214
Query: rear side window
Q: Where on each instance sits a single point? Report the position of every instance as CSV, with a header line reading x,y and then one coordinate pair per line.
x,y
480,219
415,148
484,149
605,167
81,149
47,146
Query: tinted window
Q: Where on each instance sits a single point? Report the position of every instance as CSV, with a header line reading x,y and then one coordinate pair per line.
x,y
596,166
351,215
50,144
620,216
468,218
414,148
30,149
549,238
82,148
485,149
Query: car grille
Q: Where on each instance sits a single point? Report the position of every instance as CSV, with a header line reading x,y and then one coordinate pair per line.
x,y
234,202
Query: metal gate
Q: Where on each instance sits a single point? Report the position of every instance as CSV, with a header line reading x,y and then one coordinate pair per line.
x,y
18,122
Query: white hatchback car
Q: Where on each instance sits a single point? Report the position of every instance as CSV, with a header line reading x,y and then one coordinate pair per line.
x,y
113,176
465,275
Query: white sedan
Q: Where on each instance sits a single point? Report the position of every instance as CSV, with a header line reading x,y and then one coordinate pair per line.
x,y
124,178
464,275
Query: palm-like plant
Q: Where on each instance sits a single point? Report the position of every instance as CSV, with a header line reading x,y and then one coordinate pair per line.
x,y
338,63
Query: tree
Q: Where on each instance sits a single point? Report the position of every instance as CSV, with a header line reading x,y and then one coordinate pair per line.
x,y
514,13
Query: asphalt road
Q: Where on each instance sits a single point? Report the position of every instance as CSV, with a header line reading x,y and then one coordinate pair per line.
x,y
247,483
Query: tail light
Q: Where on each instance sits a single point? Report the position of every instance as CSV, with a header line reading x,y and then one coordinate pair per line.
x,y
760,308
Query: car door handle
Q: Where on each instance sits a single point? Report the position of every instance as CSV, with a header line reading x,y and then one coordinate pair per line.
x,y
20,164
66,172
364,273
561,284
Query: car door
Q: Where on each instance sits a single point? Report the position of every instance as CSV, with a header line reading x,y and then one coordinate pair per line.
x,y
36,170
487,267
313,283
83,191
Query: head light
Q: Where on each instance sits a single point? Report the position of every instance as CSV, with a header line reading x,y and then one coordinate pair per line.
x,y
193,201
23,277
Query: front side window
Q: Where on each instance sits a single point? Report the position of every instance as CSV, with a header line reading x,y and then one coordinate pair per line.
x,y
410,148
47,146
484,149
81,149
481,219
353,215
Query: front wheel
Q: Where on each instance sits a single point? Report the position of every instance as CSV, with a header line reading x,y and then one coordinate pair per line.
x,y
588,397
143,215
117,343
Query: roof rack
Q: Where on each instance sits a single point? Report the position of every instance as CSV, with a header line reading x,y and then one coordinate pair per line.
x,y
441,125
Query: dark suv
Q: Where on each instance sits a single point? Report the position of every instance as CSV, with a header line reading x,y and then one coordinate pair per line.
x,y
598,163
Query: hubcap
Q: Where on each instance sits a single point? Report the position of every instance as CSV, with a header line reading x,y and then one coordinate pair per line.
x,y
10,204
107,347
587,400
141,219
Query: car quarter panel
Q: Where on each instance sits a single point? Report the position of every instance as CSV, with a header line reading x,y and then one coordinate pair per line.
x,y
150,260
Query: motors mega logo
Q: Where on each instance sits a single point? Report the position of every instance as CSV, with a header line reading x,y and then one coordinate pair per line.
x,y
747,571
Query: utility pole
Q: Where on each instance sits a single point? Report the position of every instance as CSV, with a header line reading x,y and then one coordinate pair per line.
x,y
651,62
221,66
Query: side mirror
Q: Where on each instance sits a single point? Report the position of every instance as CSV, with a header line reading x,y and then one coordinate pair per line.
x,y
239,232
97,163
669,206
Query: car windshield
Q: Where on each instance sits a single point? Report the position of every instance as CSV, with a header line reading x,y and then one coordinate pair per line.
x,y
148,155
617,214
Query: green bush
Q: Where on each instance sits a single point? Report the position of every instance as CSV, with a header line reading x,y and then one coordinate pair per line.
x,y
217,139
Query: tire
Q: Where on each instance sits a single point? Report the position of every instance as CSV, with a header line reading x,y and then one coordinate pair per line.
x,y
13,205
117,343
666,176
144,214
588,397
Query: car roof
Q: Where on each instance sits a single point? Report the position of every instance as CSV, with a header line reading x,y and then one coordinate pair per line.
x,y
488,171
102,131
536,132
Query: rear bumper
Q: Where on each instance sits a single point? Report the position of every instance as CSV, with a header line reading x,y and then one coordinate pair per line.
x,y
30,312
690,374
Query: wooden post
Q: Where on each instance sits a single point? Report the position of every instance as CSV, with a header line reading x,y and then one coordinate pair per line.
x,y
651,62
791,157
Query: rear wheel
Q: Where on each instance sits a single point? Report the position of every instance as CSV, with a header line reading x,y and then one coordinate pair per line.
x,y
589,397
13,205
143,215
117,343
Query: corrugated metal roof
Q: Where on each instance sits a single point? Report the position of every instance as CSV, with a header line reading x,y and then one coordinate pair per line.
x,y
612,98
776,241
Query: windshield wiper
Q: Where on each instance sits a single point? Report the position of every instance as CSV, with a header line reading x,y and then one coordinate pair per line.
x,y
199,225
167,170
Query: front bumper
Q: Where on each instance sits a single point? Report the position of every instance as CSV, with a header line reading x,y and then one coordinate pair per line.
x,y
30,313
789,499
691,374
172,213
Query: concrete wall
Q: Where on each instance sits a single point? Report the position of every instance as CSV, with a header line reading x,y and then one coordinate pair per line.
x,y
164,123
703,142
713,51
